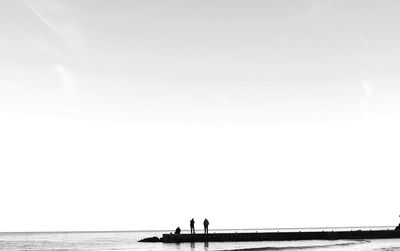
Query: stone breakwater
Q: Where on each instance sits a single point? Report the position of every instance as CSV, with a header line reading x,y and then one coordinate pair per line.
x,y
275,236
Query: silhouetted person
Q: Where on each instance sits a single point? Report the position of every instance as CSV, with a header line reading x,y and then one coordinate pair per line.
x,y
398,227
178,230
192,226
206,223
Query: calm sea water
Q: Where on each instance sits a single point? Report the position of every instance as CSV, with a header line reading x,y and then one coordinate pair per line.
x,y
129,241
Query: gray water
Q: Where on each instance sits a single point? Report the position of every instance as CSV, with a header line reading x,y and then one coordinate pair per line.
x,y
129,241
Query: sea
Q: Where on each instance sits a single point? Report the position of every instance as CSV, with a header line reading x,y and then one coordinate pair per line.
x,y
128,240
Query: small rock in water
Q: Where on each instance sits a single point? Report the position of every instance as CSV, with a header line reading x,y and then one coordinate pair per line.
x,y
150,239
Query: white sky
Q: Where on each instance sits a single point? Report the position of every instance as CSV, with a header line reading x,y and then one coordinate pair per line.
x,y
123,115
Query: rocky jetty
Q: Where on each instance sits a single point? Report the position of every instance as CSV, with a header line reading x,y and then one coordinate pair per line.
x,y
277,236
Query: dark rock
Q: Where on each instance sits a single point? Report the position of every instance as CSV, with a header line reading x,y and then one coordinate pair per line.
x,y
150,239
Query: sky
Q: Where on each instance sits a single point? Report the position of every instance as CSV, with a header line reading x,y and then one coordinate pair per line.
x,y
132,115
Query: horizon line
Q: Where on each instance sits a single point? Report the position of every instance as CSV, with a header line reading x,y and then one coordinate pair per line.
x,y
168,230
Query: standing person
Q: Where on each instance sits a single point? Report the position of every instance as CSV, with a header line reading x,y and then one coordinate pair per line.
x,y
192,226
206,223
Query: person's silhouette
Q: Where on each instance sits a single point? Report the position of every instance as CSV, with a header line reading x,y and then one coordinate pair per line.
x,y
192,226
178,230
206,223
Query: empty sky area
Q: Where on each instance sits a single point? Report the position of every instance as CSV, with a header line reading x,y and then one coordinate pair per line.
x,y
124,115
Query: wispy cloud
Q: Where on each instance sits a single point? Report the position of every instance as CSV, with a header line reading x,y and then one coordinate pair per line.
x,y
364,100
366,86
70,82
55,16
41,17
363,39
70,88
